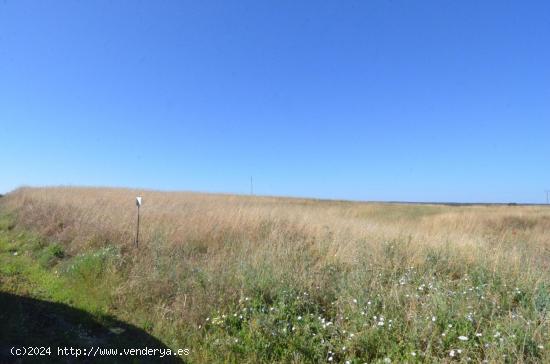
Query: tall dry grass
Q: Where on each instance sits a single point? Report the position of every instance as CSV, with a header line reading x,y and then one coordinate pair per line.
x,y
202,253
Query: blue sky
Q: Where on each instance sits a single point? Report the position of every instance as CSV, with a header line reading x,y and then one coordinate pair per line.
x,y
369,100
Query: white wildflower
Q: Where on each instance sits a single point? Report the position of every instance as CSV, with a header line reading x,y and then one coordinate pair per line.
x,y
463,338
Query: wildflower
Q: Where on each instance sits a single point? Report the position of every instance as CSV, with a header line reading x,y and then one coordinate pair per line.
x,y
479,334
354,300
497,334
452,353
540,347
463,338
433,318
330,358
299,318
413,353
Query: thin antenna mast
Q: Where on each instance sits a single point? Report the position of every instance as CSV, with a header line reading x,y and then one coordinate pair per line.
x,y
251,186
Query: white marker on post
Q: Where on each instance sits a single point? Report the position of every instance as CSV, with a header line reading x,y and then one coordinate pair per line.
x,y
138,204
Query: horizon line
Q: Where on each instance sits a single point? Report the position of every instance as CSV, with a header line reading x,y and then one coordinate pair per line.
x,y
390,202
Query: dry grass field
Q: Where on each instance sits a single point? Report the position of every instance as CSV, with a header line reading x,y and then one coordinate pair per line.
x,y
261,279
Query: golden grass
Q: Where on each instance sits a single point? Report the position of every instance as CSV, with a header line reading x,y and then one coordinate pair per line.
x,y
203,252
82,217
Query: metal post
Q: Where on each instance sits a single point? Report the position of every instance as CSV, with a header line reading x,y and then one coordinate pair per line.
x,y
138,204
137,228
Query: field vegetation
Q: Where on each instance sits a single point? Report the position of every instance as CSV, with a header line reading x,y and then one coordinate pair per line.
x,y
262,279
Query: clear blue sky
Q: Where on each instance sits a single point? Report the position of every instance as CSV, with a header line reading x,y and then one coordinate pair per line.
x,y
372,100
